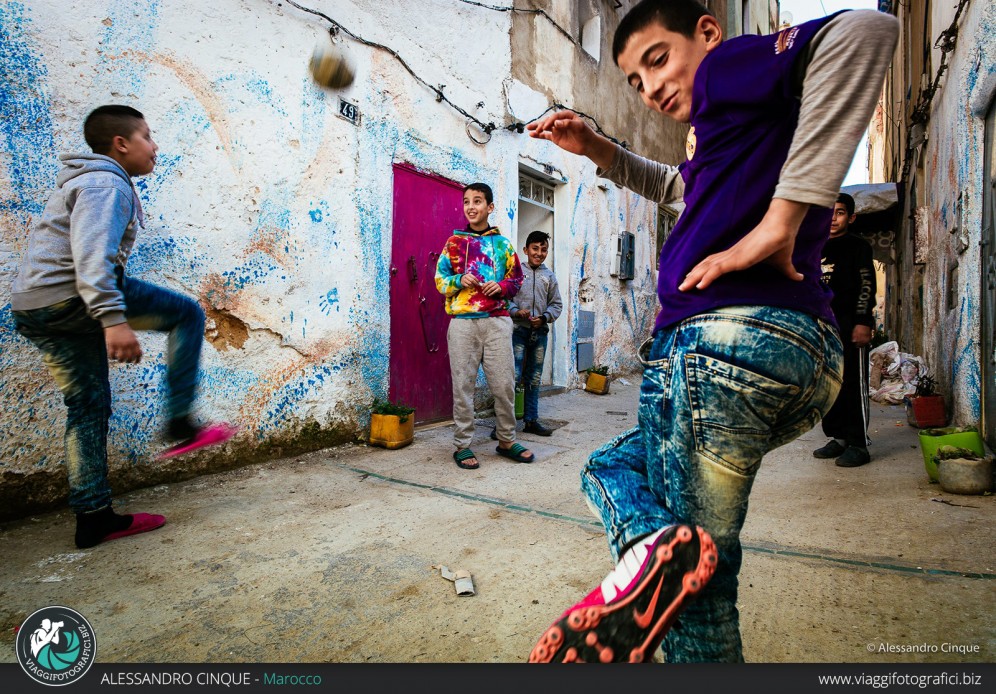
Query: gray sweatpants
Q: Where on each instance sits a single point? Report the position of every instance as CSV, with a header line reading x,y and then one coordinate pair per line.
x,y
474,342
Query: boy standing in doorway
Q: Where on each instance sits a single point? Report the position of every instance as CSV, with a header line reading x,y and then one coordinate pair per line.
x,y
534,308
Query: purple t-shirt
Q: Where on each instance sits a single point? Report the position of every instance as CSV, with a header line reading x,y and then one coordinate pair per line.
x,y
744,115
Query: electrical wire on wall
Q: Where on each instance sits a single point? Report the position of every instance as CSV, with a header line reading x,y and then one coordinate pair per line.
x,y
522,10
473,122
945,43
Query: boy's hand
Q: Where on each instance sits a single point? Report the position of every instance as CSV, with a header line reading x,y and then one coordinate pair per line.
x,y
772,241
536,321
522,313
861,336
122,345
491,288
570,132
468,280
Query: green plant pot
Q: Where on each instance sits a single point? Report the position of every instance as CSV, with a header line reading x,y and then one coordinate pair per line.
x,y
520,403
932,439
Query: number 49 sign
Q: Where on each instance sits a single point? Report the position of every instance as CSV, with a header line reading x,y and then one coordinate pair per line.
x,y
349,111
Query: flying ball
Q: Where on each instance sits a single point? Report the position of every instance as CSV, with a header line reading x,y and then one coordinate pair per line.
x,y
330,69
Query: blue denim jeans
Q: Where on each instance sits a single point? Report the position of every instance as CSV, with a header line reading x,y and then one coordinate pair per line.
x,y
73,349
719,391
529,350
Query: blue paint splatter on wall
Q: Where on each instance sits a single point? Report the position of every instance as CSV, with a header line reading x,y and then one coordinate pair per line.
x,y
25,120
251,83
966,372
174,257
166,166
316,215
133,28
284,403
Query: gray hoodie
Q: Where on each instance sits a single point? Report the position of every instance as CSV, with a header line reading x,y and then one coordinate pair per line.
x,y
87,229
539,294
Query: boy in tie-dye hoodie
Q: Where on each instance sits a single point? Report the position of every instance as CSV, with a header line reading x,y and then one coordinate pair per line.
x,y
478,272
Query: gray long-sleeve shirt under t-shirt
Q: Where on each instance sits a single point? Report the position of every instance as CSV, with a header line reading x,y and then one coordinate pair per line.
x,y
838,85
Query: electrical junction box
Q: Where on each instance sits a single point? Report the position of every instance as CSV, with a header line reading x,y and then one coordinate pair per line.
x,y
624,255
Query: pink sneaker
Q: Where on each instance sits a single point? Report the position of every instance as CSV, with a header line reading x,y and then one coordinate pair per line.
x,y
105,525
140,523
211,435
627,616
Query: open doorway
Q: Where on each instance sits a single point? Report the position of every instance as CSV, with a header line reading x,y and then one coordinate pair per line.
x,y
536,213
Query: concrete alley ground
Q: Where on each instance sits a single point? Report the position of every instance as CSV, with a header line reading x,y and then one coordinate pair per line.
x,y
328,557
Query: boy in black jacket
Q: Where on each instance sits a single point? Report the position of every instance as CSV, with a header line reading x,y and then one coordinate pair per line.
x,y
848,271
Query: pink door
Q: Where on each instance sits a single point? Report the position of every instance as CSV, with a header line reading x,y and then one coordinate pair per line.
x,y
427,209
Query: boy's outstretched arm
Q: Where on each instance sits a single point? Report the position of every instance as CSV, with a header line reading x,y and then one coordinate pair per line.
x,y
655,181
840,88
568,131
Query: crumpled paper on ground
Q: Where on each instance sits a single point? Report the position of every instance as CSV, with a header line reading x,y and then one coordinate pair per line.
x,y
463,582
894,375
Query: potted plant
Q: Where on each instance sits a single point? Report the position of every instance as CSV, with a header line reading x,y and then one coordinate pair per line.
x,y
392,425
598,379
963,471
961,437
926,407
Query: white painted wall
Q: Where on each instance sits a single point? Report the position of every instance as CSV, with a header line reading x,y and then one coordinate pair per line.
x,y
268,208
954,165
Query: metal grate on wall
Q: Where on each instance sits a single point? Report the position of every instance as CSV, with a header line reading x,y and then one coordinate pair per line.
x,y
535,191
585,349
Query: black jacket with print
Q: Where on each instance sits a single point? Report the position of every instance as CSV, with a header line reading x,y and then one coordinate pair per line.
x,y
850,274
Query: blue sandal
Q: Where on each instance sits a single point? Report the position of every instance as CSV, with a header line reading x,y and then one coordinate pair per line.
x,y
515,452
463,455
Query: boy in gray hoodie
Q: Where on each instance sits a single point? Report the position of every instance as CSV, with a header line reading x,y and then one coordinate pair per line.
x,y
533,309
71,298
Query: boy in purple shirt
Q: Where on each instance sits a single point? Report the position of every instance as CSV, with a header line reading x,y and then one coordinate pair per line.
x,y
745,356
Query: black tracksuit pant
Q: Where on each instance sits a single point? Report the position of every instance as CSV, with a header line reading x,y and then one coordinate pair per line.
x,y
846,419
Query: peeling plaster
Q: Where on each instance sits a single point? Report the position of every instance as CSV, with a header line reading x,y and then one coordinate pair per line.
x,y
271,211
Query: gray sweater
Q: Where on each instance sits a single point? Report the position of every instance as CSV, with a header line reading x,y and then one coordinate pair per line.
x,y
87,229
539,294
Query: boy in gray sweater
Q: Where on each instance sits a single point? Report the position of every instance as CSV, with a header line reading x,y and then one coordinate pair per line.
x,y
71,298
533,309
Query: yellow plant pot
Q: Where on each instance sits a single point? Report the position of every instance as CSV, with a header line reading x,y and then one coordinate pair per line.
x,y
388,431
597,383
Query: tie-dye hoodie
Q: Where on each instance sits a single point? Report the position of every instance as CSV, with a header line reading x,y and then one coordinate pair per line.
x,y
488,256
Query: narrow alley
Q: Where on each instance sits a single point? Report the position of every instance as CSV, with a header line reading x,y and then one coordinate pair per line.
x,y
328,557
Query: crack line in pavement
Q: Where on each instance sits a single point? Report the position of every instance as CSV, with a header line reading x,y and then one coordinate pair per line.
x,y
772,549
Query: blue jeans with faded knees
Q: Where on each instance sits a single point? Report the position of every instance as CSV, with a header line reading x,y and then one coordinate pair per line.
x,y
719,391
73,349
529,350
